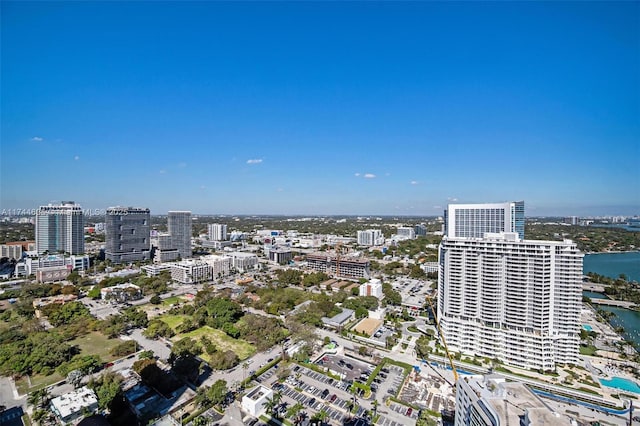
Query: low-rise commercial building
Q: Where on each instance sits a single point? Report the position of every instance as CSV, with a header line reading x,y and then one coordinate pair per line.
x,y
255,401
372,288
243,261
191,271
220,265
280,255
73,406
343,267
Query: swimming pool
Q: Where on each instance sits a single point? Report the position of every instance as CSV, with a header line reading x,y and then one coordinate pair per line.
x,y
621,383
587,327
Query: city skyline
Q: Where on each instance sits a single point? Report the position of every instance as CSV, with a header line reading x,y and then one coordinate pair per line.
x,y
321,108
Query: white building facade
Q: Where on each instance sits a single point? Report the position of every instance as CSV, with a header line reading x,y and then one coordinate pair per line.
x,y
243,261
371,288
474,220
217,232
370,237
254,401
12,251
511,299
190,271
220,265
60,228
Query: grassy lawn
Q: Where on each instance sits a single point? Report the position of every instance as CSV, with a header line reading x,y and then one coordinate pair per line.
x,y
95,343
173,320
171,300
588,350
37,382
223,342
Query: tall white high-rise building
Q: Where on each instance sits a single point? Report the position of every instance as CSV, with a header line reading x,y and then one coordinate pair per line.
x,y
217,232
370,237
474,220
180,230
60,228
511,299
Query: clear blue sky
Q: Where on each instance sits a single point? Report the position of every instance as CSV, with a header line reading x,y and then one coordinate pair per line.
x,y
321,108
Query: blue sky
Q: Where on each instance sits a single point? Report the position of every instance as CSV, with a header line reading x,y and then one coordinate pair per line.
x,y
321,108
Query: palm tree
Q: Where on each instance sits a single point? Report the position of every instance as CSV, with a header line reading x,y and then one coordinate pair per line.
x,y
320,416
39,398
277,396
270,405
293,411
375,407
245,366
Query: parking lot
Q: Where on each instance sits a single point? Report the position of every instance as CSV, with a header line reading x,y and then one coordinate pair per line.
x,y
317,391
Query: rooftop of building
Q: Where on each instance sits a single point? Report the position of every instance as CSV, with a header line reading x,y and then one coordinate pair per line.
x,y
258,392
513,400
74,401
339,319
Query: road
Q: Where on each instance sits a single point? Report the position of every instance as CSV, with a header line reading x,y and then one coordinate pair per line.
x,y
9,395
160,349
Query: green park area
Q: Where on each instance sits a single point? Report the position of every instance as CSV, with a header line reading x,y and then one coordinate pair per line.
x,y
93,343
173,321
172,301
221,340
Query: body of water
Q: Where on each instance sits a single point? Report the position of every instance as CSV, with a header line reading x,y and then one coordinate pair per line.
x,y
614,264
627,319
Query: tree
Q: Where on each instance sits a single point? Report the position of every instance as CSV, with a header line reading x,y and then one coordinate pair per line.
x,y
245,366
294,411
422,347
201,421
155,300
75,378
107,388
218,392
270,405
39,398
320,416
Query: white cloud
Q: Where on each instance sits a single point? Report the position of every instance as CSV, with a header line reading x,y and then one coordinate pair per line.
x,y
387,174
202,187
369,176
254,161
182,164
357,174
280,189
414,182
163,171
36,139
77,157
453,199
437,207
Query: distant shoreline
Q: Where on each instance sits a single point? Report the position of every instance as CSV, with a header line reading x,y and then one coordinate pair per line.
x,y
613,252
